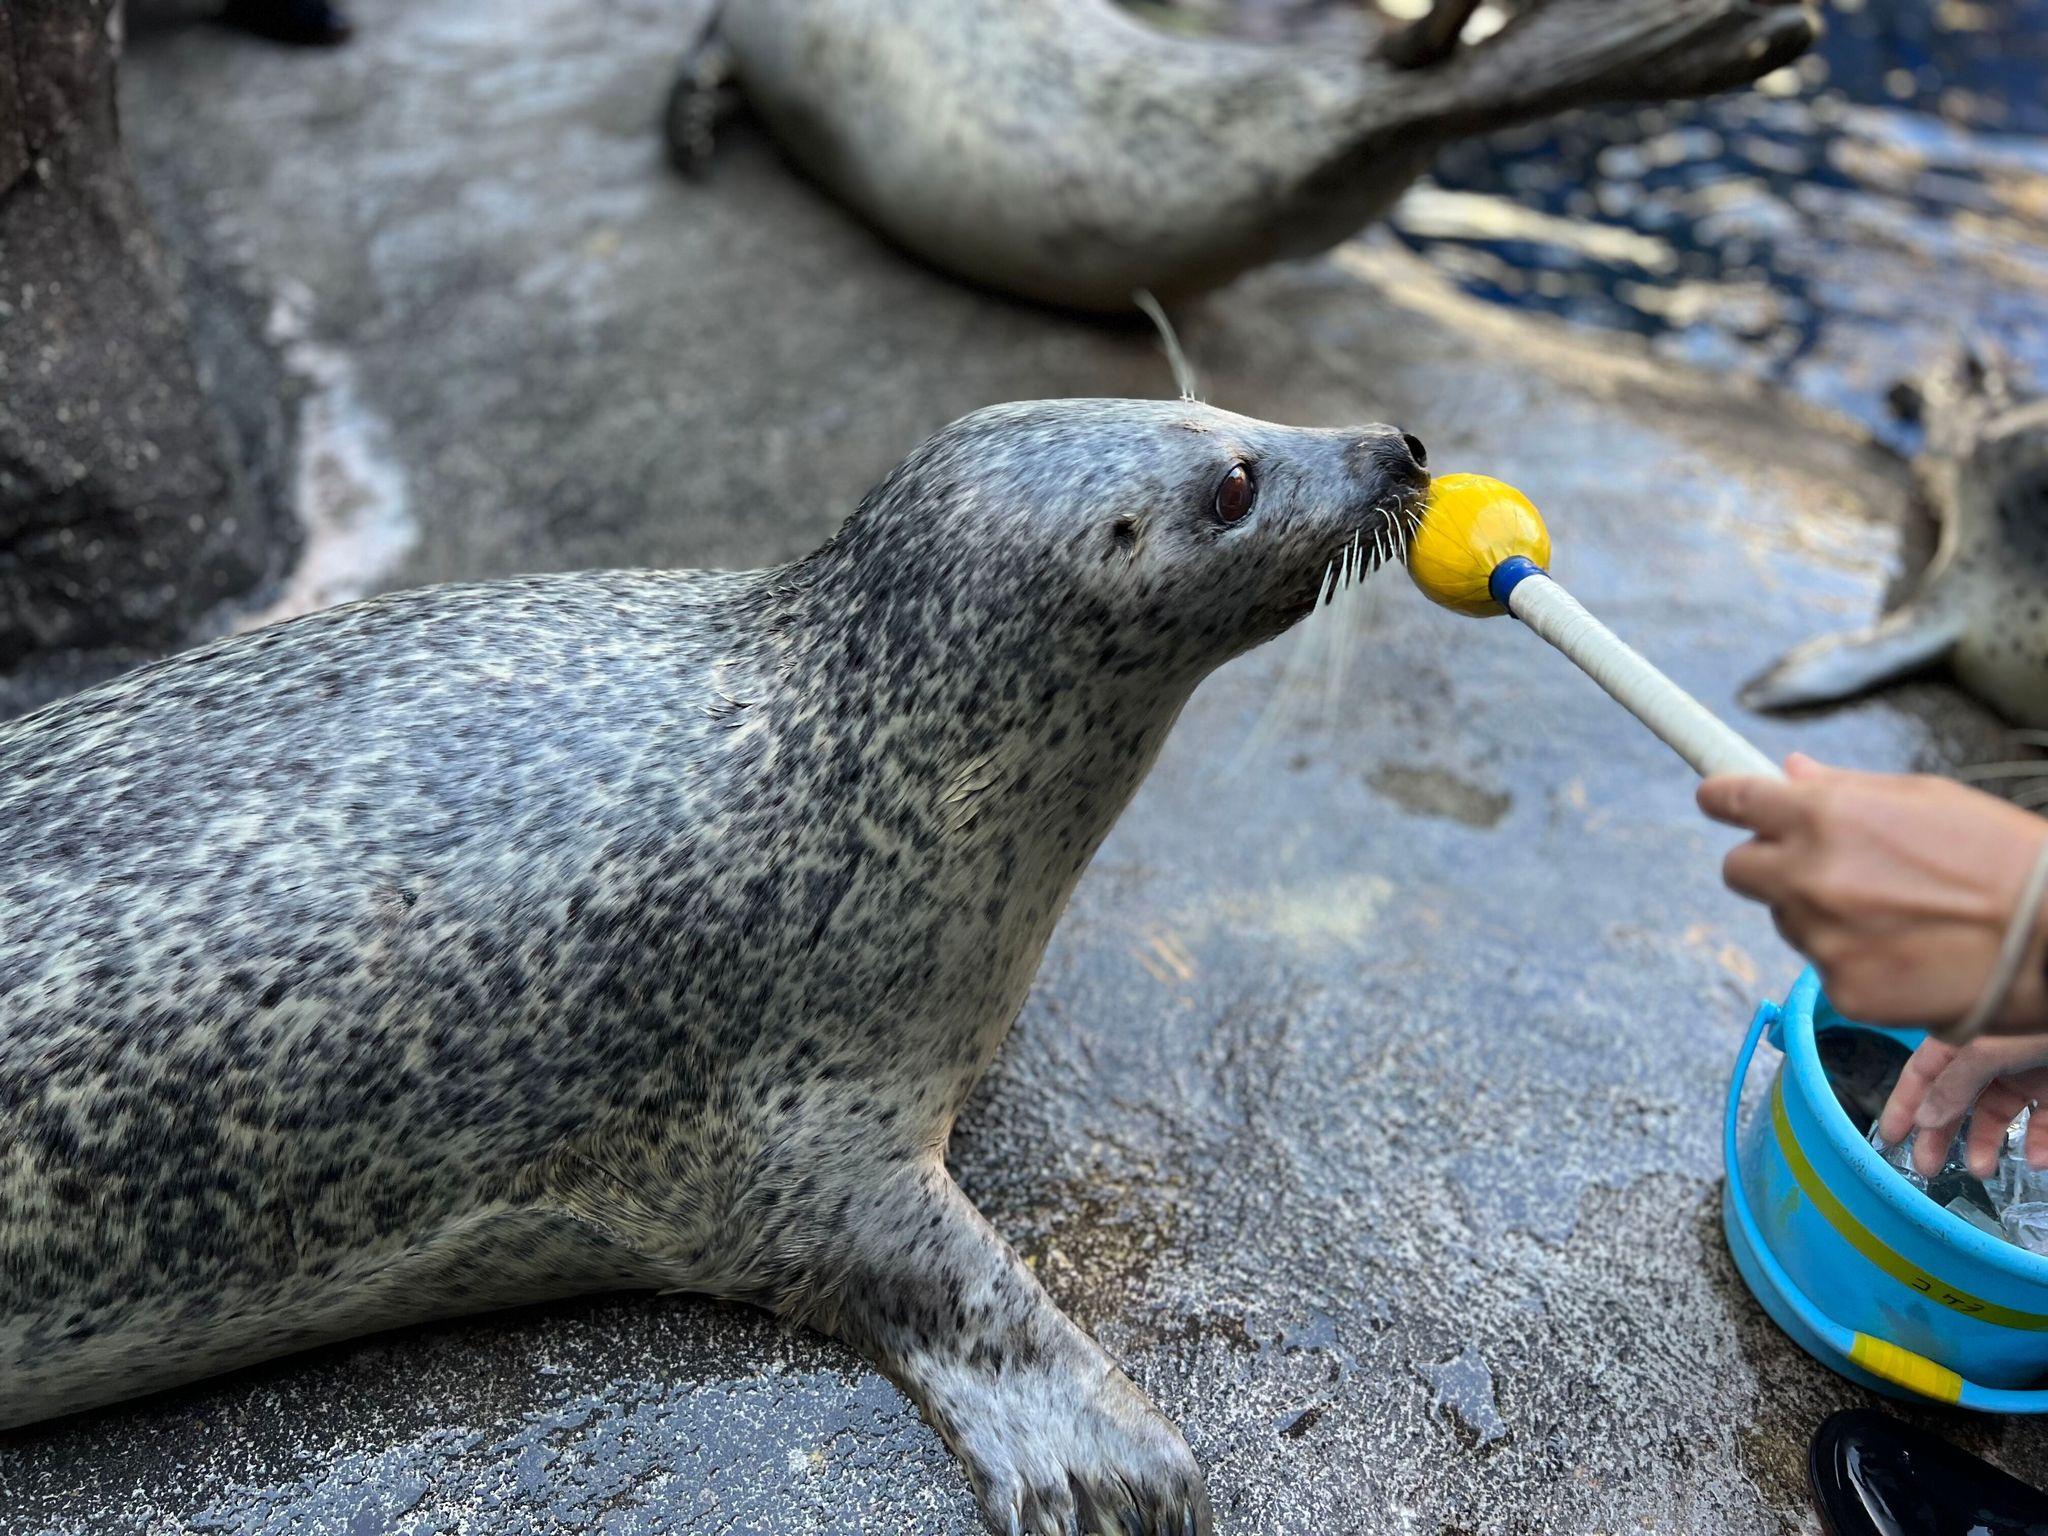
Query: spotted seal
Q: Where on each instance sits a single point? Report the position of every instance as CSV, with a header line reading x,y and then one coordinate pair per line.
x,y
483,944
1066,151
1981,606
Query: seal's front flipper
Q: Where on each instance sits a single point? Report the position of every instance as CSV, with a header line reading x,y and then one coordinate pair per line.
x,y
1837,667
706,96
1053,1436
1428,39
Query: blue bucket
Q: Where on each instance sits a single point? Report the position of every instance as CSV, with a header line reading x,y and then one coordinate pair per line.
x,y
1866,1273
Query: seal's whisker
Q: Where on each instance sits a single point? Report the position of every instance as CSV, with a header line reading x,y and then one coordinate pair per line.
x,y
1304,661
1267,726
1183,375
1362,612
1322,644
1346,629
1336,643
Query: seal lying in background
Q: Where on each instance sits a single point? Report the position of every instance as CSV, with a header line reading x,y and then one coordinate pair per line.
x,y
1981,606
483,944
1067,152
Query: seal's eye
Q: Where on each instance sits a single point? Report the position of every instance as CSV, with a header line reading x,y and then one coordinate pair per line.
x,y
1235,494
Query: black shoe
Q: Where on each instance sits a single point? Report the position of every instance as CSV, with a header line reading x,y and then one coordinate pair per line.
x,y
1874,1475
313,23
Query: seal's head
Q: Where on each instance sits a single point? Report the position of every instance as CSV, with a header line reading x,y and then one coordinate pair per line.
x,y
1150,538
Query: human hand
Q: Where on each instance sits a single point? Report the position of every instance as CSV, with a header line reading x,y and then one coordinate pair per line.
x,y
1899,887
1939,1085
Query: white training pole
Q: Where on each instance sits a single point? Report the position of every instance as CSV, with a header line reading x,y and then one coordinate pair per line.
x,y
1685,725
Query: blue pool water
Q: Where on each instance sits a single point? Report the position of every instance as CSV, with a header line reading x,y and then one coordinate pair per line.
x,y
1878,203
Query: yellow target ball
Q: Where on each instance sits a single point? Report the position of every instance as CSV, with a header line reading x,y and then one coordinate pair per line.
x,y
1472,524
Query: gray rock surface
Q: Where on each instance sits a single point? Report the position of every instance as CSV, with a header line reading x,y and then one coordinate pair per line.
x,y
129,504
1368,1105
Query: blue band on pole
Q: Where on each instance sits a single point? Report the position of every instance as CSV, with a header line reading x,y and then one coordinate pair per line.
x,y
1510,574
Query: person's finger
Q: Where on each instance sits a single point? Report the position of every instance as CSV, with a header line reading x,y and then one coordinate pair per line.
x,y
1948,1100
2037,1140
1756,870
1751,801
1997,1107
1932,1143
1802,769
1921,1069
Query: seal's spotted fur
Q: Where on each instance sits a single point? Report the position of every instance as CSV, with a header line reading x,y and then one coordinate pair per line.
x,y
488,943
1981,606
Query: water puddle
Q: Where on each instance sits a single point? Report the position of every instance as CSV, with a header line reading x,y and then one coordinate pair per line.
x,y
1464,1389
348,488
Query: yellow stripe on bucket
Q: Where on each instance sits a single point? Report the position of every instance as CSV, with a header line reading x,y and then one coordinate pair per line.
x,y
1903,1368
1891,1262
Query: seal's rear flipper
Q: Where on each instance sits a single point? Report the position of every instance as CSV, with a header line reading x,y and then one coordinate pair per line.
x,y
1559,55
706,95
1429,39
1837,667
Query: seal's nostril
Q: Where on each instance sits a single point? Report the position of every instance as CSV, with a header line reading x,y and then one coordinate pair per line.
x,y
1384,457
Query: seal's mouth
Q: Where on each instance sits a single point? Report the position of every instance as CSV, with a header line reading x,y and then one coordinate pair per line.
x,y
1383,533
1379,536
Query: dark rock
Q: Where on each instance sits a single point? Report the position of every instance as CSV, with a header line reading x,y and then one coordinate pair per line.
x,y
126,510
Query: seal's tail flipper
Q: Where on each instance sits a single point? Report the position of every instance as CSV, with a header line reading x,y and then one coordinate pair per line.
x,y
1557,55
1837,667
1430,38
